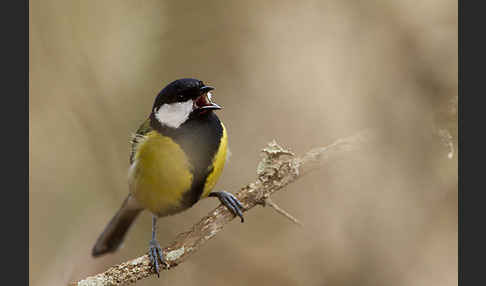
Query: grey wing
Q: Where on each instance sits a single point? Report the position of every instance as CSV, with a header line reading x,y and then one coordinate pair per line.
x,y
138,136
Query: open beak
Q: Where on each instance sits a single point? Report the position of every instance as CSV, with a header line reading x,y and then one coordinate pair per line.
x,y
204,102
206,88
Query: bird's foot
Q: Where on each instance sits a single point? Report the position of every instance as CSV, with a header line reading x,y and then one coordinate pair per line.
x,y
156,255
230,201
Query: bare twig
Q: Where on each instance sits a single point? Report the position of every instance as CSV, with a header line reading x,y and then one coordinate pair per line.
x,y
281,211
278,168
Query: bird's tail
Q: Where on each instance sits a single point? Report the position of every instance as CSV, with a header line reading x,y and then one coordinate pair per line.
x,y
111,238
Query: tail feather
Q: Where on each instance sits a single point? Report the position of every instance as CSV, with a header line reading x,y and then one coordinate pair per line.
x,y
114,233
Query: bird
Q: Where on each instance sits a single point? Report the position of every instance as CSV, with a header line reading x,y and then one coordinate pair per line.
x,y
176,157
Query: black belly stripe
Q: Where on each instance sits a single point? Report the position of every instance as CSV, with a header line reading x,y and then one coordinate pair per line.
x,y
199,138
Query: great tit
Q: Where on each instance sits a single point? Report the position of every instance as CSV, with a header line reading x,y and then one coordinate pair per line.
x,y
176,158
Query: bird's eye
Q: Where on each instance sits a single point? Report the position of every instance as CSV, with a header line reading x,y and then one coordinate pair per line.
x,y
180,97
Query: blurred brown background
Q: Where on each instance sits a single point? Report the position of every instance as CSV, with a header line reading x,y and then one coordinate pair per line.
x,y
303,72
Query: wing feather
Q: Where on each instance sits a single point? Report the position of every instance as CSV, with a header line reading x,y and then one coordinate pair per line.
x,y
138,137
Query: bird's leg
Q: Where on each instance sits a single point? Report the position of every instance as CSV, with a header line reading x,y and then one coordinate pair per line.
x,y
230,201
155,252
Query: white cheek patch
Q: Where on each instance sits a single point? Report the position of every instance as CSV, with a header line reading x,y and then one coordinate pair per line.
x,y
174,114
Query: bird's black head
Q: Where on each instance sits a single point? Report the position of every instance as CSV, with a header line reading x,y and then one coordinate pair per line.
x,y
182,99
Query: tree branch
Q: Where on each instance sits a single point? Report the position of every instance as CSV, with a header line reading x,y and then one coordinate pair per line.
x,y
278,168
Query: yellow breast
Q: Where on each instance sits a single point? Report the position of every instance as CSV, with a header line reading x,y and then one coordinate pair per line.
x,y
160,174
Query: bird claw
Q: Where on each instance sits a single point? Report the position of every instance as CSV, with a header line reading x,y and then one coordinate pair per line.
x,y
230,201
156,255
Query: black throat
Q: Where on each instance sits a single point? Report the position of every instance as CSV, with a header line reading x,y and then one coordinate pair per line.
x,y
199,137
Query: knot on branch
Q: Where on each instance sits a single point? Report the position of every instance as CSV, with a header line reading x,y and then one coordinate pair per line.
x,y
277,167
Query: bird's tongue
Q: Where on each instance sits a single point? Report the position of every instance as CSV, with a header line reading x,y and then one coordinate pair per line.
x,y
202,101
